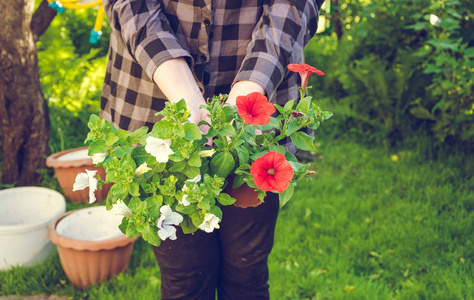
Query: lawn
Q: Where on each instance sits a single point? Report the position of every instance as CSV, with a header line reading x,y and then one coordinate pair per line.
x,y
371,224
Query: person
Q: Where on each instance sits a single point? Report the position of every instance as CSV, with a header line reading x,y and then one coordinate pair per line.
x,y
194,49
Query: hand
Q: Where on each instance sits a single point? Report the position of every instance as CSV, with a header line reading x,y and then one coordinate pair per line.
x,y
176,81
243,88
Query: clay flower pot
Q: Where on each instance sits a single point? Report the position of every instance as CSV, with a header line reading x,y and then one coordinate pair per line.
x,y
91,248
24,217
67,164
245,195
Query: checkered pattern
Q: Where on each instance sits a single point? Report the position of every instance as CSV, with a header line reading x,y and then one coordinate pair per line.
x,y
223,41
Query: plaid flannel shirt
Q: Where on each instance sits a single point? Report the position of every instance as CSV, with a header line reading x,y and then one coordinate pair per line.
x,y
222,41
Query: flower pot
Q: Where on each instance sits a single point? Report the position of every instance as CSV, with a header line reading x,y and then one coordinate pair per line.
x,y
24,217
245,195
91,248
67,164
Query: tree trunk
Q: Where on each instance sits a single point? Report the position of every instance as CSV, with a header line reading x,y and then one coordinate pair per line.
x,y
24,119
337,18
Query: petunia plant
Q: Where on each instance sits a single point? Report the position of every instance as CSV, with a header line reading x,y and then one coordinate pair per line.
x,y
170,175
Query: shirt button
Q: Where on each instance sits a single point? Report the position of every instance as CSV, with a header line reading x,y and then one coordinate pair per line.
x,y
207,22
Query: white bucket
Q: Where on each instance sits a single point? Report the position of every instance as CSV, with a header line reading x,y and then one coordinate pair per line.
x,y
25,213
90,224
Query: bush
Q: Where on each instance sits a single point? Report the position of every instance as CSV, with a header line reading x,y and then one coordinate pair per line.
x,y
72,73
399,74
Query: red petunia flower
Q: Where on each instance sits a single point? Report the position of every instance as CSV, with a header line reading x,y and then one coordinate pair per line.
x,y
255,109
305,71
272,172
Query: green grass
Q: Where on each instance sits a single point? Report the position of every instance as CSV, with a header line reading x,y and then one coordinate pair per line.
x,y
365,227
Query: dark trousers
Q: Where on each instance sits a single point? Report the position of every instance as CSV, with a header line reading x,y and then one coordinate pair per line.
x,y
231,260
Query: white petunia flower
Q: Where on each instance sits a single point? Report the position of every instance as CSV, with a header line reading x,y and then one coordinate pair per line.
x,y
84,180
434,20
210,223
142,169
158,148
195,179
207,153
185,202
165,223
120,208
98,157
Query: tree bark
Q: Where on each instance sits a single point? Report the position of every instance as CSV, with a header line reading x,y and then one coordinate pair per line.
x,y
42,19
337,18
24,119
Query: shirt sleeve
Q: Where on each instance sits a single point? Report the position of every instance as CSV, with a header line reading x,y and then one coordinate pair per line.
x,y
282,33
146,31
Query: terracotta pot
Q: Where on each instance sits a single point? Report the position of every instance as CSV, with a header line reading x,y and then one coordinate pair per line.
x,y
245,195
91,256
67,164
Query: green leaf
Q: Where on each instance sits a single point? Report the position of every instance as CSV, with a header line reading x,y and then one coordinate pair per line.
x,y
152,237
195,160
122,135
135,203
191,172
273,124
187,225
192,132
131,230
431,68
289,106
303,141
280,109
243,155
238,180
204,205
293,127
422,113
304,105
123,226
315,125
469,52
225,199
197,218
139,136
417,26
134,189
445,44
228,130
216,211
187,210
177,166
243,169
222,164
326,115
163,129
97,147
111,139
277,148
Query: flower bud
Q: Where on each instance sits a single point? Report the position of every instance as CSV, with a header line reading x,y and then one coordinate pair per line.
x,y
98,157
142,169
207,153
298,114
120,208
